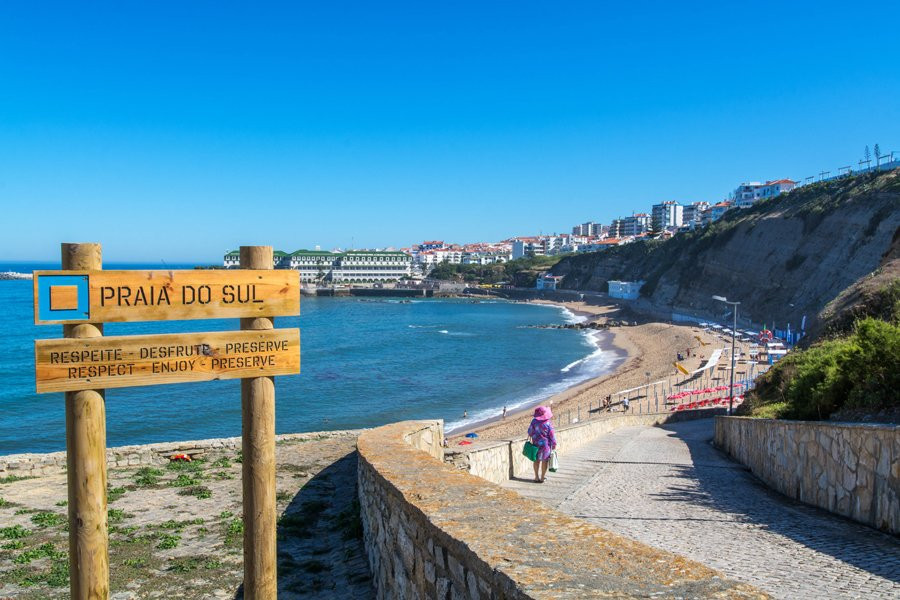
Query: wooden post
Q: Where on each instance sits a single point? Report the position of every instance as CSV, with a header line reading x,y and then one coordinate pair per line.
x,y
86,460
258,430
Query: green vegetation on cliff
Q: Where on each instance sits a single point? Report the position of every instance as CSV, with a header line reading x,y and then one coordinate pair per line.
x,y
859,369
521,272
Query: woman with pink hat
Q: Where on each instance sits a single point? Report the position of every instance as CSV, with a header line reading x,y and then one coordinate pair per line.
x,y
542,435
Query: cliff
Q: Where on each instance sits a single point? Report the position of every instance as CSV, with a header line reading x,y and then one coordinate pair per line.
x,y
783,258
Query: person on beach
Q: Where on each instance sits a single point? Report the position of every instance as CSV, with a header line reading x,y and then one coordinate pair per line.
x,y
544,437
504,412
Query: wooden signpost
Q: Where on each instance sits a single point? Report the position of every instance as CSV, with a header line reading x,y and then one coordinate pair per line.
x,y
82,297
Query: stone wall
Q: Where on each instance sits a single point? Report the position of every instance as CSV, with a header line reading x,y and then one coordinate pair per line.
x,y
435,531
499,461
849,469
33,464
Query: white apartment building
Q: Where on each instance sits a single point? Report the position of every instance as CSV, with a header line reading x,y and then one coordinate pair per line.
x,y
635,225
589,229
666,215
371,266
529,247
715,212
749,192
355,266
692,214
232,259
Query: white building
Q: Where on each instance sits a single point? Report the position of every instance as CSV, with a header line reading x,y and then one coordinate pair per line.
x,y
636,224
692,214
527,247
749,192
627,290
232,259
715,212
546,281
666,215
355,266
371,266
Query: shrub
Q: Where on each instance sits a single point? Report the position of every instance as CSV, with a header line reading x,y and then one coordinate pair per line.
x,y
861,370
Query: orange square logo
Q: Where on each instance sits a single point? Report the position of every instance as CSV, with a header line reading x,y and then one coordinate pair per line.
x,y
63,297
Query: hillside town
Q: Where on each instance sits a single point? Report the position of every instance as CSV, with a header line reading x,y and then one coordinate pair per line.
x,y
664,220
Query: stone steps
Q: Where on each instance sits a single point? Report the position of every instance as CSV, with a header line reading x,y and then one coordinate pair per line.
x,y
577,467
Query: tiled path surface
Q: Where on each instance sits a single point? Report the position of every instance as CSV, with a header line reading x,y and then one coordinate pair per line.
x,y
668,487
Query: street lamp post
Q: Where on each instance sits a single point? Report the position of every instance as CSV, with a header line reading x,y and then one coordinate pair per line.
x,y
733,334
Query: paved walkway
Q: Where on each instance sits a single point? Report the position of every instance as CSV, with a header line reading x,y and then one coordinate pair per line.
x,y
669,488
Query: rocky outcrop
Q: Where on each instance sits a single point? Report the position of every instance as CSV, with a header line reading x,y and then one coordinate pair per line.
x,y
782,259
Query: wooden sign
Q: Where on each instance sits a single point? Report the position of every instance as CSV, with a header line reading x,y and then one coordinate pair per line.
x,y
70,364
110,296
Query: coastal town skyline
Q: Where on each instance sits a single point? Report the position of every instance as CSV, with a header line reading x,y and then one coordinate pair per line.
x,y
376,127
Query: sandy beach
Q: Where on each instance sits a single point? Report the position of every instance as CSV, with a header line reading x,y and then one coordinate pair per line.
x,y
649,349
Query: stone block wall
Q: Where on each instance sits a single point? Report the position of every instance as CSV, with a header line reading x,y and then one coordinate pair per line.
x,y
34,465
499,461
434,531
849,469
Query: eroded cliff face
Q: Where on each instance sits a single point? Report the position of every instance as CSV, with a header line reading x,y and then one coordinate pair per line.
x,y
782,259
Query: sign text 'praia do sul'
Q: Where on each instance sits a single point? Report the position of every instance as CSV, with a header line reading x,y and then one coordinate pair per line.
x,y
111,296
82,297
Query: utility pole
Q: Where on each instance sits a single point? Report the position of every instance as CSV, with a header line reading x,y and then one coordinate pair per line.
x,y
733,333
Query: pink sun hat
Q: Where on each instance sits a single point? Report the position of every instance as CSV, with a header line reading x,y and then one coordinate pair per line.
x,y
543,413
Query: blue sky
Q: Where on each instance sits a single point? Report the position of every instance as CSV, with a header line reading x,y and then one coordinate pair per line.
x,y
178,130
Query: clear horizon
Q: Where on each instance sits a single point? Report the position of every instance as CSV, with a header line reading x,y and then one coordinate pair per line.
x,y
180,132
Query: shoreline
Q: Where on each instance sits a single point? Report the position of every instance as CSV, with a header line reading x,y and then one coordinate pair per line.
x,y
606,340
646,351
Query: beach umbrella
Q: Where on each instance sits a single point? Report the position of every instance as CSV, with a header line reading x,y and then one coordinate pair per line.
x,y
471,435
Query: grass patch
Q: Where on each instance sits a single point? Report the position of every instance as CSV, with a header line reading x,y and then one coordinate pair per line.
x,y
239,457
226,514
13,545
167,541
234,531
183,480
5,503
222,475
47,519
191,466
114,494
135,563
186,564
200,492
116,515
14,478
147,476
62,503
14,533
222,463
45,550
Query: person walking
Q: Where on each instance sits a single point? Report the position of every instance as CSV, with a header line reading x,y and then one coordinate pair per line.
x,y
544,437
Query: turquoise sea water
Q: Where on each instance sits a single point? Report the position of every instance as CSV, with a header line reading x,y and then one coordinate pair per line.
x,y
365,362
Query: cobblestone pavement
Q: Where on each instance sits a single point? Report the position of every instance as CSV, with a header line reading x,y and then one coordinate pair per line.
x,y
669,488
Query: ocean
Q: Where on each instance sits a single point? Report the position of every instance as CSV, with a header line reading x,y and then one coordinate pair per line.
x,y
365,362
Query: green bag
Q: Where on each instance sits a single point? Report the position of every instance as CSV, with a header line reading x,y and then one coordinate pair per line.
x,y
530,451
